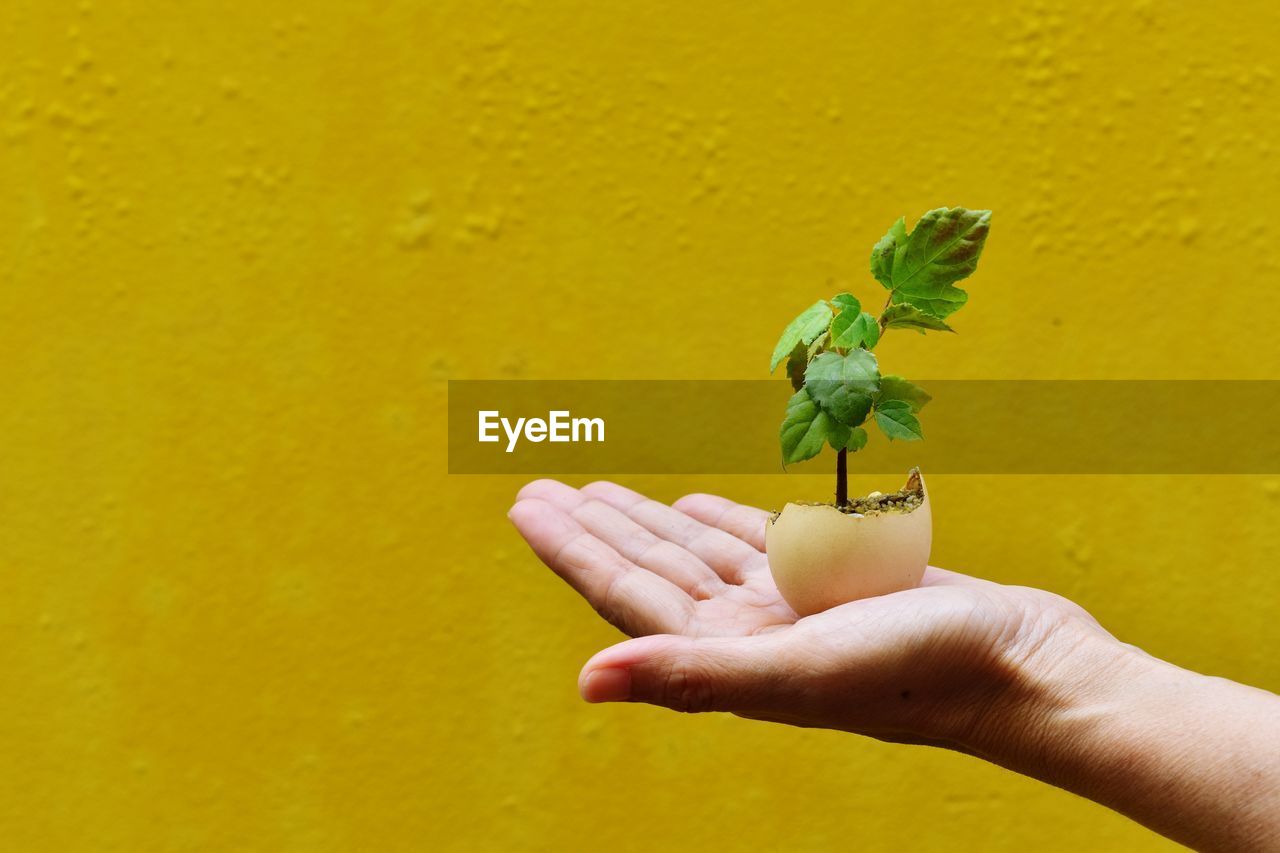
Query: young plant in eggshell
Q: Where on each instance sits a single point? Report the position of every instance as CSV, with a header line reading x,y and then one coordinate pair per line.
x,y
822,555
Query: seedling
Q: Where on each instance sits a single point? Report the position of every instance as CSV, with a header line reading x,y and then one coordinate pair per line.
x,y
828,349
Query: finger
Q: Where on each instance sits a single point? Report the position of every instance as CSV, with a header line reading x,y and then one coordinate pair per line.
x,y
693,675
730,557
629,539
934,576
541,489
745,522
636,601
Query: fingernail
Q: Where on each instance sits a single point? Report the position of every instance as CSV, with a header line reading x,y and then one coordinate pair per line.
x,y
607,685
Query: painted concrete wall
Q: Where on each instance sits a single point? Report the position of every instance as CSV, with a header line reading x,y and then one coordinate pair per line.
x,y
242,606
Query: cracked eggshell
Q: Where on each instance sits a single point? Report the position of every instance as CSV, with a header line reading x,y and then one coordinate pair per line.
x,y
821,557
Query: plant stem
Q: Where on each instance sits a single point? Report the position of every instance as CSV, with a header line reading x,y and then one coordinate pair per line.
x,y
842,457
842,478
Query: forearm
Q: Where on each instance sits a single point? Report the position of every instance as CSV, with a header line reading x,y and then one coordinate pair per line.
x,y
1194,758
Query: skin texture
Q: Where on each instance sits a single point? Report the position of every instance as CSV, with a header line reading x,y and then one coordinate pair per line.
x,y
1018,676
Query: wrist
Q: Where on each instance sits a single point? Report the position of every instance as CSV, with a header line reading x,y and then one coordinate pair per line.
x,y
1056,697
1190,756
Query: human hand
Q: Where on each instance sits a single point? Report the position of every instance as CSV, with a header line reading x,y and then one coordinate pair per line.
x,y
1018,676
936,664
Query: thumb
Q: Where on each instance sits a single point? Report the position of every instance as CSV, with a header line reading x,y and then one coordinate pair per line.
x,y
689,675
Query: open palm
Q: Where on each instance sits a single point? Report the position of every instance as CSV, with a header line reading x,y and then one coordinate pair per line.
x,y
694,581
698,570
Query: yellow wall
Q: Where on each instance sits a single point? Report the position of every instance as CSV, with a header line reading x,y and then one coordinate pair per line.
x,y
241,247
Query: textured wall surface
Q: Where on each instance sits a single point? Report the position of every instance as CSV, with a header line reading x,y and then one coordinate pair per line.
x,y
242,245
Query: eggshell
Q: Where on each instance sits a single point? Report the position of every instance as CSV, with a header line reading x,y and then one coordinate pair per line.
x,y
821,557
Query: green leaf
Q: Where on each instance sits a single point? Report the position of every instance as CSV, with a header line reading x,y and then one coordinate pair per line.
x,y
943,248
850,330
844,385
846,302
897,388
796,363
885,251
905,316
806,428
896,420
857,440
818,343
813,321
871,336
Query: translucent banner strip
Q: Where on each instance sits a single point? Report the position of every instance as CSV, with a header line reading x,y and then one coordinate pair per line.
x,y
970,427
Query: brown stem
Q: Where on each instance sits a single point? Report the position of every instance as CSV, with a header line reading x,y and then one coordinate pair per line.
x,y
842,457
842,478
887,303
